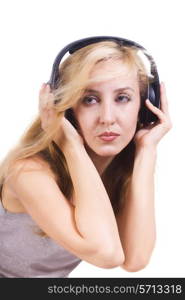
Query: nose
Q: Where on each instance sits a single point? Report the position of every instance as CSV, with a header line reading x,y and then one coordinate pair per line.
x,y
107,114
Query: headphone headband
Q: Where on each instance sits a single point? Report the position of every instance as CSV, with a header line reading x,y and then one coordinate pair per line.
x,y
154,87
78,44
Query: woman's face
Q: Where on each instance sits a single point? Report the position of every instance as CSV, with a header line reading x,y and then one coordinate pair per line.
x,y
108,112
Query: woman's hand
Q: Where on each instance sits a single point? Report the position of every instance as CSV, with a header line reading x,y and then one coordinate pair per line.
x,y
67,134
46,103
152,134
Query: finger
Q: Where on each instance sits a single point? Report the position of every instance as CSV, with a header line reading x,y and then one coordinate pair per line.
x,y
164,100
44,120
47,112
156,110
42,88
43,85
47,116
46,98
45,88
48,89
43,103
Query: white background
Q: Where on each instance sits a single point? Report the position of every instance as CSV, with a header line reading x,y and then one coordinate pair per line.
x,y
33,32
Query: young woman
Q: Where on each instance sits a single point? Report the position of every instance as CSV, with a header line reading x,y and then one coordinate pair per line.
x,y
84,189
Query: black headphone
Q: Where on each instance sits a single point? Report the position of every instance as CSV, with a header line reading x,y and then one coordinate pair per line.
x,y
153,93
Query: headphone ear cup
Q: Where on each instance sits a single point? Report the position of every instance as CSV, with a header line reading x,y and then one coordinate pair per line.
x,y
69,114
151,117
145,115
151,95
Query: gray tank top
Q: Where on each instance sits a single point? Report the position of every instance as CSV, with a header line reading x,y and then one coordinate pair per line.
x,y
26,254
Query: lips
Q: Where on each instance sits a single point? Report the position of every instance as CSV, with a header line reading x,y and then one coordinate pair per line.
x,y
109,134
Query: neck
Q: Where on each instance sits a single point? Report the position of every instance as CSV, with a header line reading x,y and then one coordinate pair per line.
x,y
100,162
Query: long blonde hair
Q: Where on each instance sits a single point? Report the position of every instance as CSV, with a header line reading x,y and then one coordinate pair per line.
x,y
74,77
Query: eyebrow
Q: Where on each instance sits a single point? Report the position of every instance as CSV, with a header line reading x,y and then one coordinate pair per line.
x,y
117,90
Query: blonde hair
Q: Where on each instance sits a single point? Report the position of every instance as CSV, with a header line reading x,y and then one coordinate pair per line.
x,y
74,77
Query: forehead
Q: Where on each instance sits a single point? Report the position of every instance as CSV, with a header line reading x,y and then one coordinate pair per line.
x,y
113,73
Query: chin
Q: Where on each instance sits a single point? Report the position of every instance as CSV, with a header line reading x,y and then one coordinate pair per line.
x,y
106,151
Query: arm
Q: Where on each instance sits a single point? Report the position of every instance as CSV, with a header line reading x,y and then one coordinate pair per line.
x,y
136,219
94,215
42,199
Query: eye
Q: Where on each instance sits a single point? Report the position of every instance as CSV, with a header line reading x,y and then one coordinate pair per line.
x,y
123,98
89,100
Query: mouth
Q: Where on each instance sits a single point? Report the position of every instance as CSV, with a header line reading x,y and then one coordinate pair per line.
x,y
108,136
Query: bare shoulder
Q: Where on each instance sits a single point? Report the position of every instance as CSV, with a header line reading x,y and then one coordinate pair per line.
x,y
38,168
33,163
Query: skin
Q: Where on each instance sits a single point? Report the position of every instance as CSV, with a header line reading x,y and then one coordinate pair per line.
x,y
111,105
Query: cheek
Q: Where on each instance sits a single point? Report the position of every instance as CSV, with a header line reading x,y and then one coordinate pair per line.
x,y
129,125
129,118
85,122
